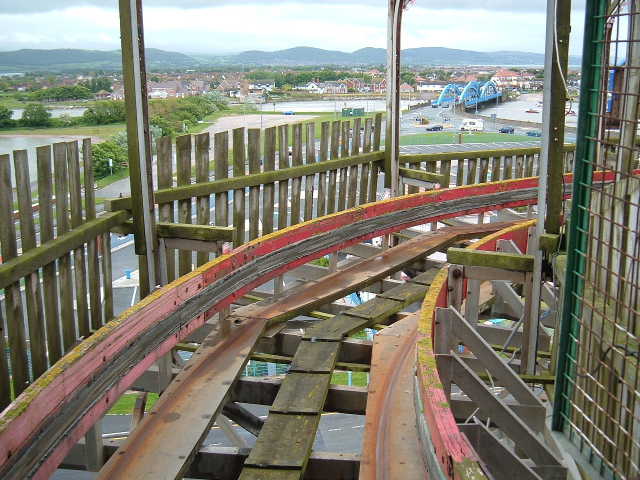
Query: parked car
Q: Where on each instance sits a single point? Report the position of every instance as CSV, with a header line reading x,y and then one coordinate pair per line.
x,y
472,125
434,128
506,130
534,133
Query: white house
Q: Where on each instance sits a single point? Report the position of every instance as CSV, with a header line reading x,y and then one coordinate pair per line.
x,y
312,87
335,87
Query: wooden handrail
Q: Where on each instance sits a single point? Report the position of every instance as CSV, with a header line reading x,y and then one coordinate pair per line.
x,y
443,156
253,180
13,270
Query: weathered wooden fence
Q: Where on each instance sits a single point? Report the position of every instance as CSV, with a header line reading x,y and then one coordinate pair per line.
x,y
56,261
233,187
267,181
471,167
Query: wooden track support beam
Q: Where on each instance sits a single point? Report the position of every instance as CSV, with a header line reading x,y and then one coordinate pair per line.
x,y
481,258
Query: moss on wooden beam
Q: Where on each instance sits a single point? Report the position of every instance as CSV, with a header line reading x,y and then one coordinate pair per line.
x,y
185,231
342,366
511,350
421,175
501,260
549,242
204,233
224,185
13,270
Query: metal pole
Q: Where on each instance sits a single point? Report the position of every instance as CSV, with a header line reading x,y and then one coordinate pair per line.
x,y
138,137
394,28
552,152
556,89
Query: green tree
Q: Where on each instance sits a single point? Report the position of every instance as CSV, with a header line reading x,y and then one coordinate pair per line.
x,y
442,75
166,127
408,77
65,92
65,120
96,84
108,152
484,78
105,112
5,117
35,115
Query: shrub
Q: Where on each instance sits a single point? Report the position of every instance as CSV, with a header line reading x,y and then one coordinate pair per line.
x,y
65,120
64,92
100,155
105,112
5,117
35,115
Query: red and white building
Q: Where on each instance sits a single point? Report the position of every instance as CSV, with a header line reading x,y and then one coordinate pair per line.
x,y
511,78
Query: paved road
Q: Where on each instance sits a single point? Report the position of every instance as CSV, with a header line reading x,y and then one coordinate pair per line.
x,y
466,147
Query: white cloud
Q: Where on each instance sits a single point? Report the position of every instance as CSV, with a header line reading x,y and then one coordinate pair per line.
x,y
8,6
195,26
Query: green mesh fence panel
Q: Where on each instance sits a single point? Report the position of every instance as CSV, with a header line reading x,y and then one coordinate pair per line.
x,y
597,396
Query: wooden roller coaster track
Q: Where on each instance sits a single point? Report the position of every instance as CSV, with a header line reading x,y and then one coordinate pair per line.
x,y
42,425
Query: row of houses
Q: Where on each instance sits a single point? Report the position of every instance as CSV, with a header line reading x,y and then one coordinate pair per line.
x,y
502,78
177,88
355,85
162,89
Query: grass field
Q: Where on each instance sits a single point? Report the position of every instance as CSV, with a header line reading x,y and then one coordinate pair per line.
x,y
102,131
108,180
358,379
127,401
436,138
8,100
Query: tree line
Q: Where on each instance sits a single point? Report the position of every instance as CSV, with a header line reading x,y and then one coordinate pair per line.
x,y
291,79
171,115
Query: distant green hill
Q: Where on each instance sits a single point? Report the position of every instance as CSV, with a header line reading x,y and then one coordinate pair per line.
x,y
76,59
378,56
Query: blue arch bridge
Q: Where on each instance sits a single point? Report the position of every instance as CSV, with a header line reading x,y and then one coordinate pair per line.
x,y
473,94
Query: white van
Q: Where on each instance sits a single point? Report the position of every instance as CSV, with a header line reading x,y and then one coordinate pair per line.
x,y
472,125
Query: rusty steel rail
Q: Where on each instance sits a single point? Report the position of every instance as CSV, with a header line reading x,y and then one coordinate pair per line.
x,y
161,445
44,422
391,446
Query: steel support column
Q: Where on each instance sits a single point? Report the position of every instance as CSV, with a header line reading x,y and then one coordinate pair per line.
x,y
551,158
392,140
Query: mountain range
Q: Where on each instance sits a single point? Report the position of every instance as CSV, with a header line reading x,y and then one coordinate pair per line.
x,y
377,56
76,59
30,60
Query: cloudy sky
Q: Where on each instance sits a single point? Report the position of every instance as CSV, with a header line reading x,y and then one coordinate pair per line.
x,y
227,26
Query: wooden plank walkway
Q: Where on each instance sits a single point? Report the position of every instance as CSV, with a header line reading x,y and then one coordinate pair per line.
x,y
284,445
164,443
291,411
